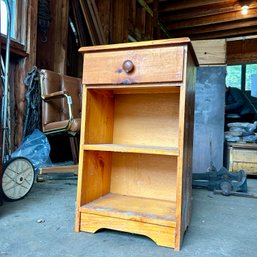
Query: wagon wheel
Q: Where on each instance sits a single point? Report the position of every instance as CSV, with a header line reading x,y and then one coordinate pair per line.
x,y
18,178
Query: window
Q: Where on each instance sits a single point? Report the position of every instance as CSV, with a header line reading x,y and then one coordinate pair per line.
x,y
251,72
241,76
18,19
4,16
234,76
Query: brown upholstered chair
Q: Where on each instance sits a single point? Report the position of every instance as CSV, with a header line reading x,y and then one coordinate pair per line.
x,y
61,106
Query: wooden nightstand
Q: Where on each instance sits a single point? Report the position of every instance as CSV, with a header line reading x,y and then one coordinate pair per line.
x,y
136,139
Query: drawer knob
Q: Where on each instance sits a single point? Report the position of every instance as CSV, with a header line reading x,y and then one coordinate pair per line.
x,y
127,66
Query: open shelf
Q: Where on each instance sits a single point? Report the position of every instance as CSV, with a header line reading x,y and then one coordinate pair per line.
x,y
133,208
172,151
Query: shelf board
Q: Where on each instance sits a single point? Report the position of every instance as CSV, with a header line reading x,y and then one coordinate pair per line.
x,y
173,151
133,208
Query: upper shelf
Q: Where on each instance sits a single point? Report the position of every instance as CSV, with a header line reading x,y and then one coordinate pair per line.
x,y
172,151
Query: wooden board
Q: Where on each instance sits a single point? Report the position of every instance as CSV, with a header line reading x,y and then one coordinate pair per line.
x,y
161,235
135,118
133,208
59,169
210,52
96,182
172,151
240,51
99,113
242,157
151,176
149,66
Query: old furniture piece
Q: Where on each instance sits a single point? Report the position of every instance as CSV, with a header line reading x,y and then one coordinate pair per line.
x,y
136,139
61,111
242,156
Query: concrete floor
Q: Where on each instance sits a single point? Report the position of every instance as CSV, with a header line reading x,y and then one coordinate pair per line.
x,y
221,226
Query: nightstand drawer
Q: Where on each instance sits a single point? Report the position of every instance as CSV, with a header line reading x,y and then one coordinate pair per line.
x,y
155,65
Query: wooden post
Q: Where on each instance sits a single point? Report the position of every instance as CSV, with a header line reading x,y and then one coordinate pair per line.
x,y
156,27
22,67
119,33
51,54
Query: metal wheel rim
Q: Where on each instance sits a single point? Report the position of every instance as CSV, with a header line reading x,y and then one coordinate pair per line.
x,y
18,178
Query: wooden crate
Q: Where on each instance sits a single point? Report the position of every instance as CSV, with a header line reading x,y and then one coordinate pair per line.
x,y
136,140
242,157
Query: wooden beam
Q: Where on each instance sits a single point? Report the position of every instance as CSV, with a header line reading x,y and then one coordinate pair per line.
x,y
22,66
156,27
104,11
119,25
226,33
210,52
94,25
176,5
16,48
61,36
149,10
202,11
81,31
213,19
215,28
241,51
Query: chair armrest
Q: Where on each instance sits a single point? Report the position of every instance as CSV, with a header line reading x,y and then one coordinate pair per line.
x,y
58,95
55,95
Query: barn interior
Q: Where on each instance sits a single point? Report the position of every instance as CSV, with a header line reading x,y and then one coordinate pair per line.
x,y
49,38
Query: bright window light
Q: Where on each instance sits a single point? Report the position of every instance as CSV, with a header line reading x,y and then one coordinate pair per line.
x,y
3,18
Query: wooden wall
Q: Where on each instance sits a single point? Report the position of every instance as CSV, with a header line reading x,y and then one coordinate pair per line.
x,y
51,54
241,51
121,20
18,70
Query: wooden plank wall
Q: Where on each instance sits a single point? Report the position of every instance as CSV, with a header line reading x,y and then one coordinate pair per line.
x,y
241,51
19,69
51,54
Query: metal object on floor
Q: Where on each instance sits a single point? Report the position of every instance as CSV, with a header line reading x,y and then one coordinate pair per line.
x,y
223,180
248,195
18,178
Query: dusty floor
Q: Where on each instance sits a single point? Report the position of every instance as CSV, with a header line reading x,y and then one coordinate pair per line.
x,y
42,225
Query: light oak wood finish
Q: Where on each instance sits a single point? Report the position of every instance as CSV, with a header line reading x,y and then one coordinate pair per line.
x,y
162,235
136,140
147,68
59,169
210,52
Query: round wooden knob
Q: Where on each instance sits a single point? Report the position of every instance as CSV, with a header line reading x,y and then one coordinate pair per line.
x,y
127,66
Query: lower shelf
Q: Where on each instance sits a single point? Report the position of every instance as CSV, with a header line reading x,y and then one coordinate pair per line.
x,y
150,217
134,208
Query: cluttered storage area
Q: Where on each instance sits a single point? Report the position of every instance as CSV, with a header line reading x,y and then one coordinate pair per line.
x,y
128,128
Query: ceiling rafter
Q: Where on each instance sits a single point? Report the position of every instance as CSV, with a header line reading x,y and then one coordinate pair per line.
x,y
216,27
227,33
203,19
213,19
203,11
167,6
